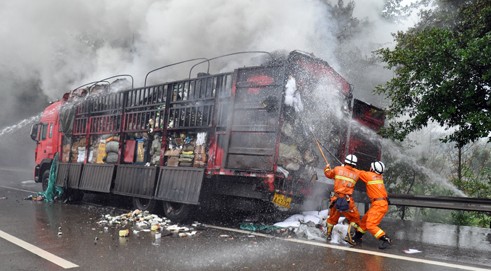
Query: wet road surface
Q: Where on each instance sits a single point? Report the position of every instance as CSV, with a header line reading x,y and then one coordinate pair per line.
x,y
68,236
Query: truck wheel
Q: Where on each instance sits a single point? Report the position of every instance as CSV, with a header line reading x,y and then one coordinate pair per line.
x,y
45,179
144,204
177,212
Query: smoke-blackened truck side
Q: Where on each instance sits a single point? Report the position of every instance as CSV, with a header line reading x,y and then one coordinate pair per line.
x,y
237,139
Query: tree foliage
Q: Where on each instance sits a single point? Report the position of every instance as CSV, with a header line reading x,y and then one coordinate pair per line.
x,y
442,72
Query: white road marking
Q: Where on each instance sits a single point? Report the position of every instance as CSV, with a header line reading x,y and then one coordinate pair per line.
x,y
28,182
15,169
375,253
399,257
38,251
13,188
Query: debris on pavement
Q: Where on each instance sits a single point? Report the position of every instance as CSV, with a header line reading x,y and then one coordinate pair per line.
x,y
124,233
412,251
311,225
309,232
294,221
137,221
34,198
259,227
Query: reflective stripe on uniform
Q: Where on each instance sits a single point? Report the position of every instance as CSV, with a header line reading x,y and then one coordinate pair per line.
x,y
375,182
353,224
379,233
344,178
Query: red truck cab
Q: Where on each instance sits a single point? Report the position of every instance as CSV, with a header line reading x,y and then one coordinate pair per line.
x,y
47,137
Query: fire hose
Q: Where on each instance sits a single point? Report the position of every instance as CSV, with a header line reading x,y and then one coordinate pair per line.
x,y
320,149
318,143
322,153
337,160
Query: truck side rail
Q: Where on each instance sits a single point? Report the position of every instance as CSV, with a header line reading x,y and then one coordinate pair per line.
x,y
192,105
451,203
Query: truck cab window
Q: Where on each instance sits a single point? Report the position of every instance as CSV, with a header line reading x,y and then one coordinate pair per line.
x,y
44,128
34,132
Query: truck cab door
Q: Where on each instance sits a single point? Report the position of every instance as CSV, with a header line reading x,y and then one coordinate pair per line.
x,y
44,142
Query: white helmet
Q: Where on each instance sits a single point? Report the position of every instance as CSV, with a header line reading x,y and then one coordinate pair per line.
x,y
377,167
351,159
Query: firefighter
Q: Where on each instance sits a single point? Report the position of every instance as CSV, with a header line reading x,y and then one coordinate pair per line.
x,y
379,205
345,178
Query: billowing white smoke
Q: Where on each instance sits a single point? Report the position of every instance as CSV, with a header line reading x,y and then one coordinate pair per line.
x,y
50,47
67,43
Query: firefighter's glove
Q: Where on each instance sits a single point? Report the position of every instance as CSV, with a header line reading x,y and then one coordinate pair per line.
x,y
342,204
328,167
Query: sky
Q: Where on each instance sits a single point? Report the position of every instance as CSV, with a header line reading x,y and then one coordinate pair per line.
x,y
52,46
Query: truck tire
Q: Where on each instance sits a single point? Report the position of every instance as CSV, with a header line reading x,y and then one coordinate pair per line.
x,y
144,204
177,212
45,179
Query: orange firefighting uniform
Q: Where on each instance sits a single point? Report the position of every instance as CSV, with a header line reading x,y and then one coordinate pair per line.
x,y
379,203
345,178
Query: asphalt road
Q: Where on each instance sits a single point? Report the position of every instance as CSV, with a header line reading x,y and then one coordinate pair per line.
x,y
57,236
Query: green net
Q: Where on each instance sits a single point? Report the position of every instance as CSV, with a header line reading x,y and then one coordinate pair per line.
x,y
258,227
52,191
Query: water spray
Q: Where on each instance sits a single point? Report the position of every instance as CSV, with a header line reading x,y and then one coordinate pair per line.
x,y
319,145
339,161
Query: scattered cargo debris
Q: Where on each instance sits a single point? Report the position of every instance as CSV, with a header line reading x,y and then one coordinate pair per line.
x,y
34,198
143,221
412,251
124,233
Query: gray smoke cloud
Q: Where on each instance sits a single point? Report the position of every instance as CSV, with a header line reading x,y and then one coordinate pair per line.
x,y
67,43
50,47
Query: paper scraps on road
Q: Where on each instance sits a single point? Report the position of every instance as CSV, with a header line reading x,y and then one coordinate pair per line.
x,y
411,251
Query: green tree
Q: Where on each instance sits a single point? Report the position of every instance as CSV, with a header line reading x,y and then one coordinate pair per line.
x,y
442,70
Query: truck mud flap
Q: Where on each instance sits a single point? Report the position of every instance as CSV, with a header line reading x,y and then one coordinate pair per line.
x,y
137,181
69,175
181,185
97,177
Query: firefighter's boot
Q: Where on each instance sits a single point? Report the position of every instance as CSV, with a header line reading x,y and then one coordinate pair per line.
x,y
352,230
329,232
385,242
358,237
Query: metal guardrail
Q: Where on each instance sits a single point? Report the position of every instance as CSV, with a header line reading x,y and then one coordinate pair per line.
x,y
451,203
435,202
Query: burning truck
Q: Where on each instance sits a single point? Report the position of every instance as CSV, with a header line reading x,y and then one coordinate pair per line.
x,y
241,139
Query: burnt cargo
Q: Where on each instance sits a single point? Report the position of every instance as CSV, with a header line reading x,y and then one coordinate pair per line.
x,y
245,137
